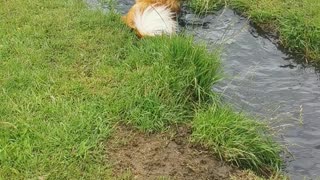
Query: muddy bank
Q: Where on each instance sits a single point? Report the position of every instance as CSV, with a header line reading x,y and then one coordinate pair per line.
x,y
170,155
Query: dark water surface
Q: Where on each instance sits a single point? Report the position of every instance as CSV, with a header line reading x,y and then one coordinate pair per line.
x,y
263,81
266,83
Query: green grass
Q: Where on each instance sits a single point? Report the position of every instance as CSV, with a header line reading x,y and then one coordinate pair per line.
x,y
206,6
297,23
69,74
237,139
162,88
55,76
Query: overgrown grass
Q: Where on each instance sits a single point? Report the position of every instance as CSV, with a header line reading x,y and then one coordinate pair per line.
x,y
163,87
297,23
237,139
68,74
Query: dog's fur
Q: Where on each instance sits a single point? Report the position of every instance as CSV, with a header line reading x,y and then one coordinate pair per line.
x,y
153,17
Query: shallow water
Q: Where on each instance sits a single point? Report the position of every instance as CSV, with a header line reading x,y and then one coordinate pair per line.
x,y
263,81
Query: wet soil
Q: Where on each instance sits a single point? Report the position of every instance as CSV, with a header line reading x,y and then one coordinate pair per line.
x,y
170,155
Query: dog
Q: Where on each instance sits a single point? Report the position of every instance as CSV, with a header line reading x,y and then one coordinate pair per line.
x,y
153,17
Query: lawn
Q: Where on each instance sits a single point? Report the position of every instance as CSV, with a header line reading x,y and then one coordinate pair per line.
x,y
295,22
69,75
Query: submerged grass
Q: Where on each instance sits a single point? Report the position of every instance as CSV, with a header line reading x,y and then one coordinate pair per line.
x,y
297,23
68,74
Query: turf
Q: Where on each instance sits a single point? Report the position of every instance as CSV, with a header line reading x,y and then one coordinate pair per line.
x,y
296,23
55,78
69,74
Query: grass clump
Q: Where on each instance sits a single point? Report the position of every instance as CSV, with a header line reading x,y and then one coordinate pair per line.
x,y
237,139
206,6
163,87
296,23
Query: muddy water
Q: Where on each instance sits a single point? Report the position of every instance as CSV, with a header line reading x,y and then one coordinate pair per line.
x,y
263,81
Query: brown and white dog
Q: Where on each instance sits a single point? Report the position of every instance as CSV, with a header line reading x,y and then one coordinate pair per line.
x,y
153,17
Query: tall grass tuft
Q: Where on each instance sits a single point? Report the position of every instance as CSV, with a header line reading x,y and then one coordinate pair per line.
x,y
165,78
206,6
237,139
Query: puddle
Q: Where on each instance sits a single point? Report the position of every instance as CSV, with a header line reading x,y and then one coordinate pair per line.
x,y
264,82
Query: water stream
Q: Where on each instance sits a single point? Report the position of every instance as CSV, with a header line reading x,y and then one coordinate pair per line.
x,y
263,81
266,83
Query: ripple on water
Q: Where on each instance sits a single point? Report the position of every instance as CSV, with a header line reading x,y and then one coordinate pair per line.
x,y
263,81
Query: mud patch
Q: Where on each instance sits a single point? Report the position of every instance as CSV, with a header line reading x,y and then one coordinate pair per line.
x,y
135,155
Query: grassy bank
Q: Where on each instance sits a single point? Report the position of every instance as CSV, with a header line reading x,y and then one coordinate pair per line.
x,y
69,74
236,139
296,23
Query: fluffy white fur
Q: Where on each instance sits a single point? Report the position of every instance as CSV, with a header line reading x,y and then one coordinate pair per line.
x,y
155,20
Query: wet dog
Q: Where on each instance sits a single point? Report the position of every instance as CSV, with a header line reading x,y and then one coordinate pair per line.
x,y
153,17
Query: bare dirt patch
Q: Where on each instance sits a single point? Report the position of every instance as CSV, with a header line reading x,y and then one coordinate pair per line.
x,y
136,155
